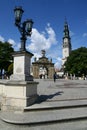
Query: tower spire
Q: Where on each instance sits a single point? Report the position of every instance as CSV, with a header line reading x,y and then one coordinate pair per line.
x,y
66,30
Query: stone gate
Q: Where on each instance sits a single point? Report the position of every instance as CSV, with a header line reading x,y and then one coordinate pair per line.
x,y
43,68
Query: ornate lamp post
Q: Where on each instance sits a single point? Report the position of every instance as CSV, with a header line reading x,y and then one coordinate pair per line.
x,y
22,58
25,28
21,87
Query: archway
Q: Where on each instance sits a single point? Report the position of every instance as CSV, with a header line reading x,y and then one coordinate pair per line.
x,y
43,68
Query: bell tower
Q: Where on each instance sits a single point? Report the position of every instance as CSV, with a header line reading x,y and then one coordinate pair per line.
x,y
66,46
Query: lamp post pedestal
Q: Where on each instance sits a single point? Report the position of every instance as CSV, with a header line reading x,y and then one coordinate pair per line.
x,y
21,68
20,91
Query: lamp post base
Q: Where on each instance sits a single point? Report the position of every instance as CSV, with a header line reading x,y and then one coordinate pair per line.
x,y
18,95
20,91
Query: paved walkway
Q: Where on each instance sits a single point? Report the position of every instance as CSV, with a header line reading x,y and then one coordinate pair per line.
x,y
53,99
62,89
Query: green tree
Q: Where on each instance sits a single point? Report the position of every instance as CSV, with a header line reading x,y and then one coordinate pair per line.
x,y
77,62
5,55
10,69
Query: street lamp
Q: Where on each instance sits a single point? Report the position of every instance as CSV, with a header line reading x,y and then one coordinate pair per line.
x,y
25,28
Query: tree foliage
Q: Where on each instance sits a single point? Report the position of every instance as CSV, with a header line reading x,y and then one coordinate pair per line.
x,y
77,62
10,69
5,55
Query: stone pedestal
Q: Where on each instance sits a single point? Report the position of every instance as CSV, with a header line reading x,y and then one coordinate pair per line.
x,y
20,91
21,68
18,95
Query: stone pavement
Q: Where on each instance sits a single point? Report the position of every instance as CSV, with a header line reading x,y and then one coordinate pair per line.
x,y
60,106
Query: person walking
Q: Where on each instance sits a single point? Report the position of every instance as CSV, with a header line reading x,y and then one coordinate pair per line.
x,y
54,77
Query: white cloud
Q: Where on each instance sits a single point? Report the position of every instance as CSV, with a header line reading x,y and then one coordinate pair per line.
x,y
2,39
58,63
36,55
12,42
72,33
15,45
45,40
42,40
85,35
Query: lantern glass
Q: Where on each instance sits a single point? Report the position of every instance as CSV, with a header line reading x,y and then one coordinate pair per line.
x,y
29,24
18,14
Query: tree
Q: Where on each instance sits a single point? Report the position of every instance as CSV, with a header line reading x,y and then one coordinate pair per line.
x,y
10,69
77,62
5,55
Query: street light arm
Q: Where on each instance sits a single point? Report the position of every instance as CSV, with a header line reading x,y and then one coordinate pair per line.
x,y
20,28
24,28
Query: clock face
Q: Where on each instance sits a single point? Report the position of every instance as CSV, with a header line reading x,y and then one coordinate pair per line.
x,y
65,40
65,51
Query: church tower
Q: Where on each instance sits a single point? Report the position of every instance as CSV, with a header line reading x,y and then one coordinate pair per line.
x,y
66,43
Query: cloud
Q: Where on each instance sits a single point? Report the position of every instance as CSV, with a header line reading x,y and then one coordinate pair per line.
x,y
2,39
58,63
85,35
72,33
43,40
12,42
15,45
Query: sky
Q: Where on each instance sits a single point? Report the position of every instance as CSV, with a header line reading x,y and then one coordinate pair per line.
x,y
47,33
